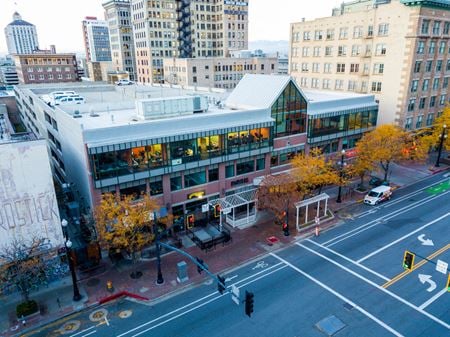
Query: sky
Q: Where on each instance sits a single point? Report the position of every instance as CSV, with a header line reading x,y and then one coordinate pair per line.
x,y
59,21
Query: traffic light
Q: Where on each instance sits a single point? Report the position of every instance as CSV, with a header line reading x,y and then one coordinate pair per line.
x,y
249,303
216,210
221,284
448,283
190,221
199,268
285,229
408,260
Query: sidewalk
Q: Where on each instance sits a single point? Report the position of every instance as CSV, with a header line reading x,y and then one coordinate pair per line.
x,y
246,245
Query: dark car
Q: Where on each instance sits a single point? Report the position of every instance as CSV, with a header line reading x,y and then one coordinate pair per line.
x,y
375,181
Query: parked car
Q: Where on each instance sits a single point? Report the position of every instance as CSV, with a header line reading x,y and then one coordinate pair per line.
x,y
377,195
124,82
375,181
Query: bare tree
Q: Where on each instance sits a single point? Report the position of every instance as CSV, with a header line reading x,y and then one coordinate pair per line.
x,y
21,264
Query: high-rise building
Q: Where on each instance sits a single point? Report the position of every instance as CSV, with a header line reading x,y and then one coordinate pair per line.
x,y
397,50
185,29
8,73
96,40
118,18
21,36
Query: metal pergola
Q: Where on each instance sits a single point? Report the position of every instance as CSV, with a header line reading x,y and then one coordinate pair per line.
x,y
305,203
229,203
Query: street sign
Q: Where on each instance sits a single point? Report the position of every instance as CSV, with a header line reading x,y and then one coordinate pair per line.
x,y
205,208
235,294
442,267
317,220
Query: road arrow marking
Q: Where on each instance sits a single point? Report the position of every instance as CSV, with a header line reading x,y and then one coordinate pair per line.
x,y
230,278
425,242
427,279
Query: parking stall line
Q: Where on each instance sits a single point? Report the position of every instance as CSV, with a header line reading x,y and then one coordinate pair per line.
x,y
340,296
349,260
402,238
437,320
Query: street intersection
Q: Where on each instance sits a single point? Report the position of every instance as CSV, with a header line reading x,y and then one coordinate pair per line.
x,y
349,281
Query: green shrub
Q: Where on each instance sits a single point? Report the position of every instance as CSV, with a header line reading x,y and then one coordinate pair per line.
x,y
26,308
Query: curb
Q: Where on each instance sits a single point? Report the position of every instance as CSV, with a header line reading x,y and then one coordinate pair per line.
x,y
123,293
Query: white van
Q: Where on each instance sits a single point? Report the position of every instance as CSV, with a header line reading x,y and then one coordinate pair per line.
x,y
378,194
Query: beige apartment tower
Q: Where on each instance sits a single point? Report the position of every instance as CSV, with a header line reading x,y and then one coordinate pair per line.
x,y
185,29
397,50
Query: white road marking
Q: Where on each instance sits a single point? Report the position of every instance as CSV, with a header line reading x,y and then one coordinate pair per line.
x,y
90,333
260,264
106,320
267,271
423,278
363,228
437,320
82,331
432,299
425,242
228,279
402,238
340,296
349,260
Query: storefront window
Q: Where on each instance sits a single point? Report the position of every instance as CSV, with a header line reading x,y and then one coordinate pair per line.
x,y
156,187
210,146
124,162
139,158
243,168
186,150
137,192
274,160
260,164
156,155
213,174
229,171
105,165
194,179
175,183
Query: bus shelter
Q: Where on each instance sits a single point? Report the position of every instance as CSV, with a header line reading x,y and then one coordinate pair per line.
x,y
323,197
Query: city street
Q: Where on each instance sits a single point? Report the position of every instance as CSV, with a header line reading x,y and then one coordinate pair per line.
x,y
349,281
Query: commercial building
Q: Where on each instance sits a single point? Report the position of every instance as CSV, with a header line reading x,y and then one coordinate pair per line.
x,y
395,49
96,40
188,147
185,29
28,207
118,18
216,72
46,68
8,73
21,36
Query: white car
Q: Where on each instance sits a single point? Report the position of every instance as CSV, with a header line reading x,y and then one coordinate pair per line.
x,y
124,82
378,194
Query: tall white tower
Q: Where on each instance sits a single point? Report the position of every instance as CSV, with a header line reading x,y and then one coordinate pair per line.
x,y
21,36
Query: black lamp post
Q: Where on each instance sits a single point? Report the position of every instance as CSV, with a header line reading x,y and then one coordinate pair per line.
x,y
76,292
341,173
160,279
441,143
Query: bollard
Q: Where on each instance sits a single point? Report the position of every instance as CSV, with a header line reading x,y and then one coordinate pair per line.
x,y
109,286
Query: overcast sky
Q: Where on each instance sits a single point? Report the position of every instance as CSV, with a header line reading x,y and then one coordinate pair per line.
x,y
59,21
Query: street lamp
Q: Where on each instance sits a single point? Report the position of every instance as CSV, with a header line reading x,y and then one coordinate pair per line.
x,y
76,292
341,173
441,142
160,279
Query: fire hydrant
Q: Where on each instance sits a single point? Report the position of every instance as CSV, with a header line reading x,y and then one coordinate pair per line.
x,y
109,286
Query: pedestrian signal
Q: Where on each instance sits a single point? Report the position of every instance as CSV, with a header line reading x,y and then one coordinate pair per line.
x,y
190,221
216,211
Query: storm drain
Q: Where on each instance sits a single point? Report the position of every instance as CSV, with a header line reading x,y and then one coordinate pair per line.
x,y
330,325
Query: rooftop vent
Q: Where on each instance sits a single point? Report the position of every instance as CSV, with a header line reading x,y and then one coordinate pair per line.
x,y
92,113
76,114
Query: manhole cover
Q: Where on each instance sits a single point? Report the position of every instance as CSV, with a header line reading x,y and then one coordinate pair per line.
x,y
69,327
125,313
93,282
330,325
98,315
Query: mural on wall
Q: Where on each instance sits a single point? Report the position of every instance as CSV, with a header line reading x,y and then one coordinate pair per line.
x,y
28,206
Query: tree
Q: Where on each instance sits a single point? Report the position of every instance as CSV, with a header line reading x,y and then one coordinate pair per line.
x,y
434,138
21,264
313,171
363,163
125,223
388,143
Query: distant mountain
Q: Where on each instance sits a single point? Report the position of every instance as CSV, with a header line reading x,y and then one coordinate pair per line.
x,y
281,46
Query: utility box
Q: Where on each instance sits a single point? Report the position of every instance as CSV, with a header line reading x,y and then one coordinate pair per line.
x,y
182,275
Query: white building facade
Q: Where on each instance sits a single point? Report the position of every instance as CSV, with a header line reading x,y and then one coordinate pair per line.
x,y
96,40
21,36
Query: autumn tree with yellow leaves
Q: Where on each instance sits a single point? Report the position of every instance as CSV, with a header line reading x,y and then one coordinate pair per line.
x,y
278,193
387,144
434,138
125,224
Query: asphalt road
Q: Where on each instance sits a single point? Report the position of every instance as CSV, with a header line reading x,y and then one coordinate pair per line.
x,y
349,281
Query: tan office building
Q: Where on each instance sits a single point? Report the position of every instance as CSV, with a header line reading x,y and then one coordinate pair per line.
x,y
397,50
216,72
186,29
